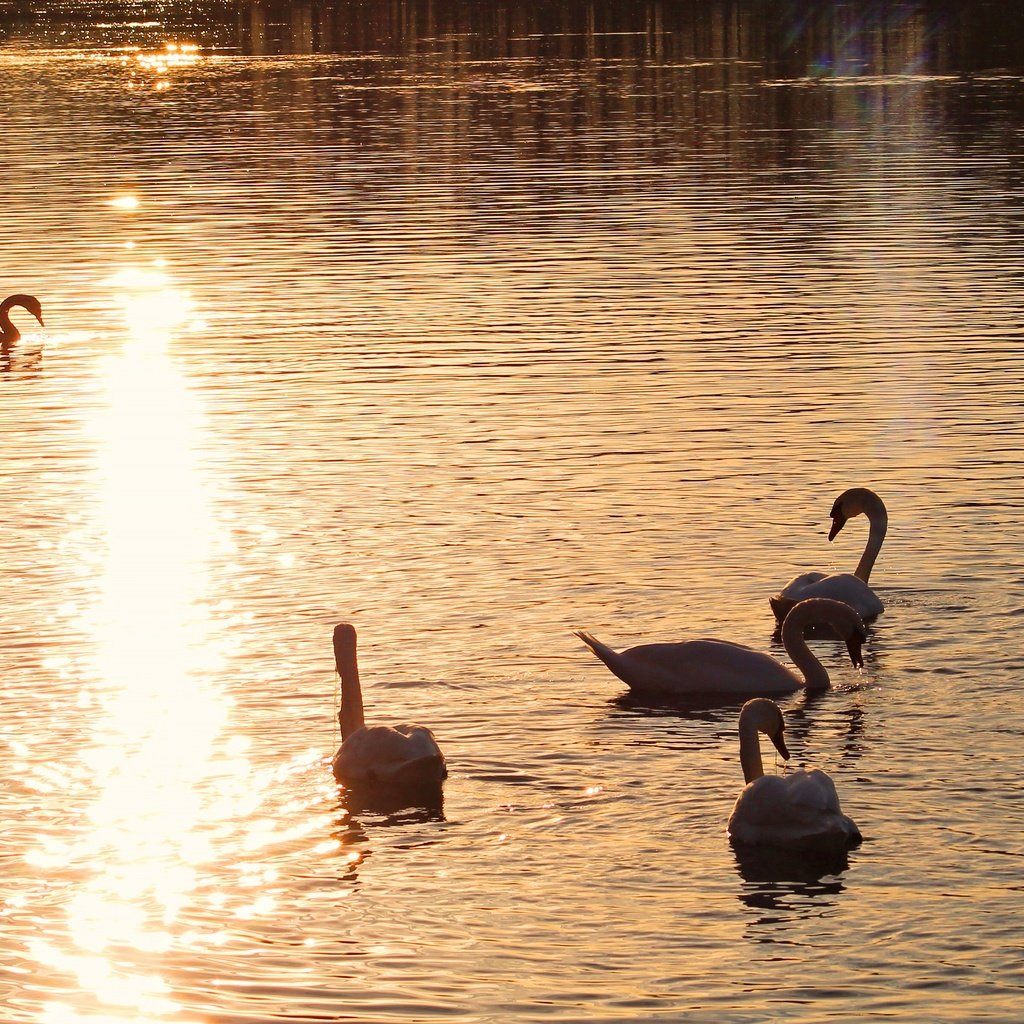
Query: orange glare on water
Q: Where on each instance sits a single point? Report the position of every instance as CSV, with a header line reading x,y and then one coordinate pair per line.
x,y
159,766
163,63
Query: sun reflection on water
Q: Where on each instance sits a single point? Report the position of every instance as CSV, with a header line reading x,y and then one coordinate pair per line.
x,y
159,763
161,64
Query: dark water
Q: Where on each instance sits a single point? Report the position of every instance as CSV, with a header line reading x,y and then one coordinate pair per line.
x,y
472,325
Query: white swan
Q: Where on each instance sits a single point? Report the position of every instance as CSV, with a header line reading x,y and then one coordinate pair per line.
x,y
851,588
718,666
401,755
796,811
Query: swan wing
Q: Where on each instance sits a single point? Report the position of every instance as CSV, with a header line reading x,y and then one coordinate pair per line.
x,y
839,586
704,666
792,593
382,753
798,811
845,587
795,589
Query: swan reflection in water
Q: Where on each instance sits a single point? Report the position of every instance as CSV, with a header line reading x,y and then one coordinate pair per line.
x,y
802,721
412,805
361,808
788,886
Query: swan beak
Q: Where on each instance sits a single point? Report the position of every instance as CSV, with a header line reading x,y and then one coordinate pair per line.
x,y
838,522
853,646
780,745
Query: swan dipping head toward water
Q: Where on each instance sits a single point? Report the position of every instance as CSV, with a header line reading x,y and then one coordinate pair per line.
x,y
405,756
798,811
852,588
9,334
720,667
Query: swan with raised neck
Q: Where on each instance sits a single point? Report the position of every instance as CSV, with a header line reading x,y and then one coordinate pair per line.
x,y
851,588
379,755
796,811
723,667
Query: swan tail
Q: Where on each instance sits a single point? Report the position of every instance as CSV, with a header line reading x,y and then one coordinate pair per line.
x,y
780,606
603,651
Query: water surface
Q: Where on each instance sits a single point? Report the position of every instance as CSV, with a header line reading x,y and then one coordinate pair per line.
x,y
472,326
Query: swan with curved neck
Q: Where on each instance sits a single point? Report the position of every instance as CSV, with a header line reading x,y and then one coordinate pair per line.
x,y
721,667
401,755
796,811
9,334
851,588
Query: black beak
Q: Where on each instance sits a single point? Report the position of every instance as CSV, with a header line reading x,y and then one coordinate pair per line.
x,y
853,644
780,744
838,522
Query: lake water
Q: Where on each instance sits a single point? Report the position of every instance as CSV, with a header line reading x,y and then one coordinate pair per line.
x,y
473,325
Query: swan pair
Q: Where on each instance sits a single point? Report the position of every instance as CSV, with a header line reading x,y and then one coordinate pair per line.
x,y
840,600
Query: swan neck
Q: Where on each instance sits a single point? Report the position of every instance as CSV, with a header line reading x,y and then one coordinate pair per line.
x,y
750,754
879,524
814,673
350,718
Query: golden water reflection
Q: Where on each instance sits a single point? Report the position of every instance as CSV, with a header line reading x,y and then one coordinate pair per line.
x,y
163,770
160,65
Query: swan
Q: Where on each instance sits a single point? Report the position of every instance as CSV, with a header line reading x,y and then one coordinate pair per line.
x,y
851,588
9,334
722,667
401,755
796,811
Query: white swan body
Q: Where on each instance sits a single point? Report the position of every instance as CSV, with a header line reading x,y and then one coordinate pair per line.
x,y
850,588
797,811
721,667
402,755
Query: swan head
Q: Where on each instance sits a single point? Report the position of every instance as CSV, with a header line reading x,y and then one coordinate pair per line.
x,y
852,502
836,614
344,634
764,715
345,650
854,645
853,631
344,642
